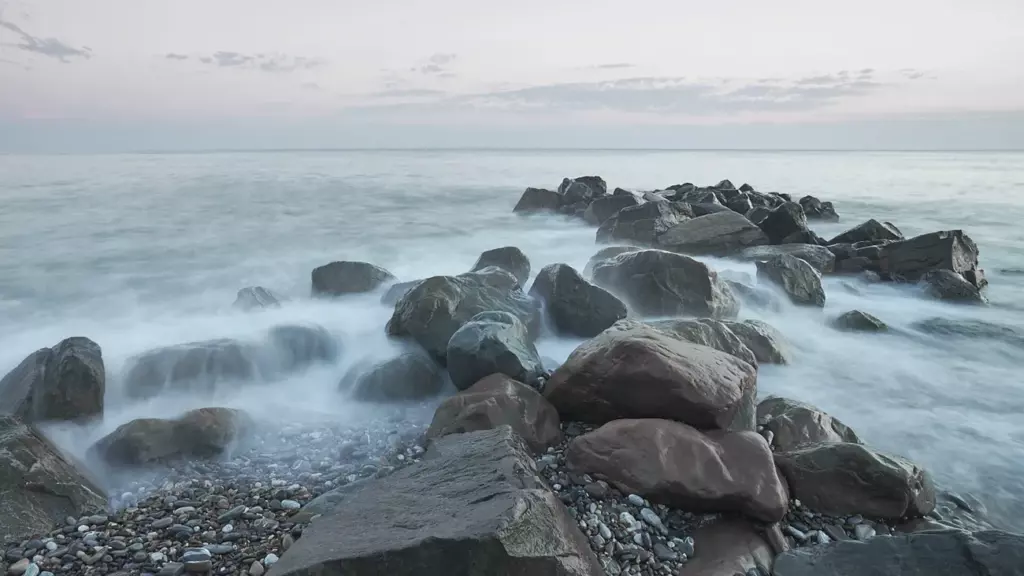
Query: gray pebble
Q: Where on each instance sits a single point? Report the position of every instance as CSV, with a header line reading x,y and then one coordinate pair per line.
x,y
864,531
635,500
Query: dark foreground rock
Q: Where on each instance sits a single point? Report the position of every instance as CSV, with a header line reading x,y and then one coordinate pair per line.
x,y
340,278
256,298
410,376
474,506
798,279
63,383
492,343
716,234
508,258
575,307
793,424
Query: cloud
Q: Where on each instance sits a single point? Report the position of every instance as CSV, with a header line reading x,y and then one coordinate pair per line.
x,y
408,93
437,65
173,56
614,66
263,62
48,47
911,74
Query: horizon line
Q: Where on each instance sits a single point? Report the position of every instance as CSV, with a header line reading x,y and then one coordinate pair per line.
x,y
157,151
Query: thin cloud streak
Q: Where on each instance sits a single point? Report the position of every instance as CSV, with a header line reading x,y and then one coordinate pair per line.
x,y
48,47
262,62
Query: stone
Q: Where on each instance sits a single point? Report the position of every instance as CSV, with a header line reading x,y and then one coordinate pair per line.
x,y
633,370
582,188
643,224
473,506
768,344
659,283
758,213
857,321
757,297
729,546
939,553
783,221
40,485
794,424
344,277
869,231
395,292
909,260
601,209
863,532
654,458
256,568
496,401
63,383
606,253
19,567
820,257
574,306
710,333
817,210
716,234
798,279
202,433
411,375
536,200
950,286
256,298
508,258
492,343
844,478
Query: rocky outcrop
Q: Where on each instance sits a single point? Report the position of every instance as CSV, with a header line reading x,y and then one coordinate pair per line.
x,y
39,486
655,459
767,343
952,250
63,383
716,234
869,231
643,224
794,424
817,210
508,258
844,478
820,257
633,370
857,321
340,278
730,546
474,506
256,298
574,306
536,200
710,333
658,283
492,343
783,221
582,189
495,401
602,209
409,376
798,279
950,286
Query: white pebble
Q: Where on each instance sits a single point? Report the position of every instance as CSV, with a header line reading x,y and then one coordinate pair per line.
x,y
83,528
270,560
51,546
227,528
156,557
635,500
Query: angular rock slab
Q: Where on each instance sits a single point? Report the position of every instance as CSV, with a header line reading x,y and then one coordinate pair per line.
x,y
256,298
643,224
492,343
677,465
783,221
602,209
798,279
536,200
508,258
63,383
340,278
715,234
952,250
868,231
474,506
794,424
575,307
952,287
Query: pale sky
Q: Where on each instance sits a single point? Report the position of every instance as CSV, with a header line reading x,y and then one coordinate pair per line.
x,y
260,67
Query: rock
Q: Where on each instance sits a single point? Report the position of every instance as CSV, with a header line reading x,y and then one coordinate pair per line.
x,y
820,257
474,506
741,205
857,321
798,279
582,189
697,196
634,370
340,278
794,424
757,214
575,306
729,546
643,224
412,375
492,343
40,486
909,260
538,200
784,220
944,553
971,329
767,343
606,253
655,459
396,291
509,258
202,433
950,286
817,210
843,478
602,209
436,308
757,297
710,333
63,383
804,237
256,298
871,230
658,283
717,234
495,401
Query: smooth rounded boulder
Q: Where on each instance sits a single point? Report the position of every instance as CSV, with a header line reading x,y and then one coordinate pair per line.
x,y
716,234
633,370
794,424
729,546
710,333
498,400
606,253
508,258
410,376
768,344
574,306
656,459
63,383
798,279
492,343
341,278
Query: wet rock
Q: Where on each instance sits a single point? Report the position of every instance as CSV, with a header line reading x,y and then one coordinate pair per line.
x,y
643,224
730,546
758,213
815,209
602,209
492,343
757,297
871,230
340,278
582,189
768,344
794,424
715,234
857,321
971,329
575,306
950,286
63,383
412,375
909,260
606,253
256,298
395,292
798,279
820,257
508,258
202,433
707,332
538,200
783,221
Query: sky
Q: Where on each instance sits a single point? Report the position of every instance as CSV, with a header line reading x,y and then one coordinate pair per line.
x,y
186,74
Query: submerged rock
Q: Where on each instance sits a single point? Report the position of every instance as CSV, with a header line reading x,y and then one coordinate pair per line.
x,y
63,383
794,424
576,307
950,286
492,343
716,234
256,298
538,200
857,321
410,376
820,257
798,279
340,278
508,258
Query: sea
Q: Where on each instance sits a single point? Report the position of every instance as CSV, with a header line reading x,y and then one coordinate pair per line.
x,y
139,251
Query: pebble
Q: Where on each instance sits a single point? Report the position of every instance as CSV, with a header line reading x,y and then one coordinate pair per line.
x,y
32,570
256,569
19,567
635,500
290,505
270,560
835,532
162,523
864,531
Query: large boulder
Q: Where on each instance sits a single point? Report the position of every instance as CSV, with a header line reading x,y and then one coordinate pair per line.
x,y
950,286
820,257
659,283
844,478
655,459
474,506
729,546
582,189
498,400
256,298
340,278
202,433
869,231
716,234
633,370
767,343
783,221
409,376
815,209
508,258
644,223
602,209
710,333
437,307
794,424
39,486
538,200
395,292
63,383
492,343
798,279
606,253
575,307
935,553
952,250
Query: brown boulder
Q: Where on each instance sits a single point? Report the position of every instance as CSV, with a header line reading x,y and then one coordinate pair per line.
x,y
767,343
202,433
708,332
677,465
795,424
729,546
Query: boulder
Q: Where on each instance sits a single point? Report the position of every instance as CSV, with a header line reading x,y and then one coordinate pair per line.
x,y
909,260
709,208
937,553
820,257
396,291
256,298
604,208
437,307
794,424
606,253
575,307
509,258
710,333
40,487
644,223
697,196
817,210
757,214
202,433
784,220
655,459
870,230
740,204
844,478
658,283
857,321
798,279
767,343
495,401
340,278
474,506
633,370
718,234
727,547
63,383
412,375
756,296
538,200
582,188
492,343
950,286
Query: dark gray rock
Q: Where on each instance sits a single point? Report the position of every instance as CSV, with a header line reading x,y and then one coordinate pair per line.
x,y
474,506
396,291
644,223
202,433
575,306
606,253
868,231
63,383
340,278
798,279
710,333
538,200
508,258
767,343
817,210
492,343
857,321
950,286
729,547
952,250
412,375
708,208
604,208
718,234
697,196
820,257
582,188
805,237
757,214
756,296
740,204
256,298
794,424
784,220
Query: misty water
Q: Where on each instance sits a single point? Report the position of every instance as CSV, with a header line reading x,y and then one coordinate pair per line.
x,y
148,250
